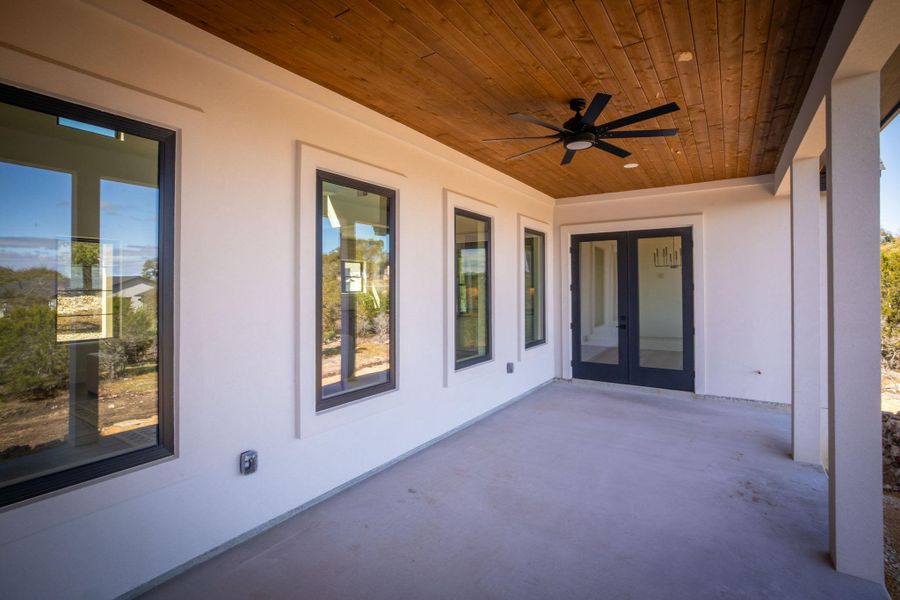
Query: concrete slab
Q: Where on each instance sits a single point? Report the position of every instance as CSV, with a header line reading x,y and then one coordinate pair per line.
x,y
573,492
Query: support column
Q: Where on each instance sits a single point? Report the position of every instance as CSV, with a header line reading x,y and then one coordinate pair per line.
x,y
805,266
856,521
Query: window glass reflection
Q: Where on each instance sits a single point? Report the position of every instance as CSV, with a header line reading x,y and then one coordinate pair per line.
x,y
472,252
356,288
534,287
78,309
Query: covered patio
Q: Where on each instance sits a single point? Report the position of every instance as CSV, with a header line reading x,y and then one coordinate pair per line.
x,y
577,490
391,298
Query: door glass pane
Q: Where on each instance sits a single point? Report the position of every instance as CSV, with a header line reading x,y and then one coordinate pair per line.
x,y
79,257
356,284
599,297
534,287
660,310
472,294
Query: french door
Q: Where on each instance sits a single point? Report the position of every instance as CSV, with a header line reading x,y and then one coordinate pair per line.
x,y
633,308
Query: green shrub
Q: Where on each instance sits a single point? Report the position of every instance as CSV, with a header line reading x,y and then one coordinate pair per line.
x,y
32,364
890,301
135,336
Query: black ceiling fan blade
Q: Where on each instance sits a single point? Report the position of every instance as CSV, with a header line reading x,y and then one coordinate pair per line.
x,y
638,117
640,133
521,154
567,157
620,152
530,137
596,107
537,121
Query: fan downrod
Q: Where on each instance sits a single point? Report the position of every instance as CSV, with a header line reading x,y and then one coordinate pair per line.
x,y
577,104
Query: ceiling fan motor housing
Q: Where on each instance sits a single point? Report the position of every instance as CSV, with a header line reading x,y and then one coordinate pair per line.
x,y
579,141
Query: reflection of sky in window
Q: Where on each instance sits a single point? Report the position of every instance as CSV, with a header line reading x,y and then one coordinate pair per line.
x,y
331,236
35,210
36,213
128,218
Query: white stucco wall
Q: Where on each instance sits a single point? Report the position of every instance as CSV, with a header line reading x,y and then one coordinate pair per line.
x,y
250,138
742,276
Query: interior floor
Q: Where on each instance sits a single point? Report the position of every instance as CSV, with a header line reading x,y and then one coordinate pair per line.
x,y
573,492
656,359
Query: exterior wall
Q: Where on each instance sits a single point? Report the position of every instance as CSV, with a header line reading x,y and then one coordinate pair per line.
x,y
742,276
250,135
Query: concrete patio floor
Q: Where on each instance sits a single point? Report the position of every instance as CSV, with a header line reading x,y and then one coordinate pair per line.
x,y
576,491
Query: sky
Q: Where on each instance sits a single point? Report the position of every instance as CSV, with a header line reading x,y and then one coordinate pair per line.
x,y
36,219
890,177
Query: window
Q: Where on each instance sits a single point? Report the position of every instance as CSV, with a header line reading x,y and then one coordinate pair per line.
x,y
473,294
534,288
355,290
86,230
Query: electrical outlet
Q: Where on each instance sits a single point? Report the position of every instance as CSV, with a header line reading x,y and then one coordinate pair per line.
x,y
510,367
249,462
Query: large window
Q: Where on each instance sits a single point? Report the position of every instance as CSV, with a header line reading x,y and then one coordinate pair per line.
x,y
86,209
534,288
473,298
355,290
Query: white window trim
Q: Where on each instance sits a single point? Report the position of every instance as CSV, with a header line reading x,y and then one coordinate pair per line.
x,y
452,201
310,160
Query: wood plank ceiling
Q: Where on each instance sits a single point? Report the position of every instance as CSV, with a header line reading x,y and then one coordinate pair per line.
x,y
454,70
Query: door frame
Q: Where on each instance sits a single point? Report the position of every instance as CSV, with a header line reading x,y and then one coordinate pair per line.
x,y
613,373
566,231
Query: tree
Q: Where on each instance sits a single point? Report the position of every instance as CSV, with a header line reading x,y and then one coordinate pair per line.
x,y
151,269
135,335
32,364
890,303
331,296
86,255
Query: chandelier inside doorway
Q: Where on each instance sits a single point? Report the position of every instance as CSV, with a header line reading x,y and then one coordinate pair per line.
x,y
667,256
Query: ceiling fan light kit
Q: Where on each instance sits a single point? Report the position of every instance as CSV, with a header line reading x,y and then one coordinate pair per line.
x,y
579,141
580,132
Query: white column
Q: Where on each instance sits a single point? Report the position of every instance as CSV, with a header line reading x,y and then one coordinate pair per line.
x,y
806,264
854,327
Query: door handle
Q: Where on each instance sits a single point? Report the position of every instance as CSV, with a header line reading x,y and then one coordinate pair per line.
x,y
623,322
623,326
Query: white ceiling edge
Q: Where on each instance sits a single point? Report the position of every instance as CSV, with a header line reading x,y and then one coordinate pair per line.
x,y
758,181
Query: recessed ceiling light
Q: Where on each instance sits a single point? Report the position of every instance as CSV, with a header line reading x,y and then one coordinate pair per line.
x,y
630,165
684,56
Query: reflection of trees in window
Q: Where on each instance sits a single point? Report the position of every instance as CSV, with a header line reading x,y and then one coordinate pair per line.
x,y
80,382
472,324
534,287
355,288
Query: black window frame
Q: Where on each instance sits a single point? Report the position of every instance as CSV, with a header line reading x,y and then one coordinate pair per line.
x,y
489,355
165,446
348,396
543,339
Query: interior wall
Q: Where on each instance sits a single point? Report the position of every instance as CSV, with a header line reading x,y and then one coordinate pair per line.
x,y
742,275
249,136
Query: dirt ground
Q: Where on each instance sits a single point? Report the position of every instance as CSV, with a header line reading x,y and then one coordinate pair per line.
x,y
371,356
124,404
890,402
892,544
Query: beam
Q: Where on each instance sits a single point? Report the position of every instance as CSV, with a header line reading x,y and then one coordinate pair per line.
x,y
863,39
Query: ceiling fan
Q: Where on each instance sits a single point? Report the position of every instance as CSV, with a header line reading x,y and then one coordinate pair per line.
x,y
580,133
